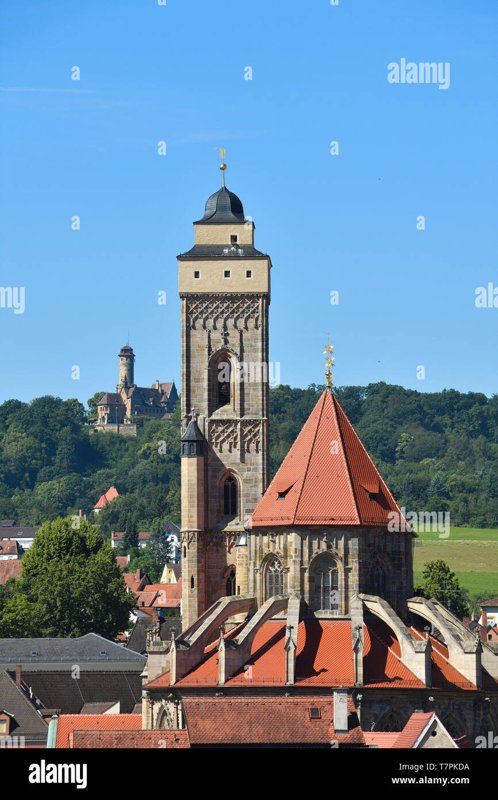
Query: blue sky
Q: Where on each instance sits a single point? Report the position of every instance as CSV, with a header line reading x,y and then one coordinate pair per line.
x,y
345,223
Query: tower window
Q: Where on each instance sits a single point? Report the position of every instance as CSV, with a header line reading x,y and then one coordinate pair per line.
x,y
192,582
224,376
230,498
325,585
234,238
226,273
197,274
230,587
248,273
274,578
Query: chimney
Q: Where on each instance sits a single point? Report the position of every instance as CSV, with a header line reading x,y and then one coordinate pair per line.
x,y
18,674
340,711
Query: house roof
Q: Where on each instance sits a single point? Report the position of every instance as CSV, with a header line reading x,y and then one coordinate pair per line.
x,y
414,729
9,547
137,639
110,399
97,708
90,648
68,723
122,561
107,497
117,739
161,595
493,601
25,719
18,531
263,720
10,568
327,478
118,536
136,581
59,689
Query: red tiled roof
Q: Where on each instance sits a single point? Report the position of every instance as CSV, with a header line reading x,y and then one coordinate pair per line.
x,y
105,498
161,595
135,581
118,536
444,674
68,723
327,478
381,739
413,729
10,568
9,547
122,561
117,739
261,720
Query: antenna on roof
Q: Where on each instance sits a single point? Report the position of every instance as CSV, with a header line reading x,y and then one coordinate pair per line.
x,y
223,166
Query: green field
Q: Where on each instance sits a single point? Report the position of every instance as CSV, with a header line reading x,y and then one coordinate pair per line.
x,y
472,553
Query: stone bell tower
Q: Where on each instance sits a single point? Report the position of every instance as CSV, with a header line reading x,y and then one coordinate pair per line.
x,y
224,285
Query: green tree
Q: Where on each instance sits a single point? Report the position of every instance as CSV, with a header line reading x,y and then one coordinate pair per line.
x,y
70,585
440,583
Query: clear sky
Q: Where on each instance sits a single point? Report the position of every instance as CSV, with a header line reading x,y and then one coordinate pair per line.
x,y
345,223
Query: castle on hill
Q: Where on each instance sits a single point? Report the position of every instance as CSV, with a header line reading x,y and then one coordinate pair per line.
x,y
121,411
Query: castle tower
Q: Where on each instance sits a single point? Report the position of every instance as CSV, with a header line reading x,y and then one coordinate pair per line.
x,y
126,367
224,285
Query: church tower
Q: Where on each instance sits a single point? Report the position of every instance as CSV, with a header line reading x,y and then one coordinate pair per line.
x,y
224,286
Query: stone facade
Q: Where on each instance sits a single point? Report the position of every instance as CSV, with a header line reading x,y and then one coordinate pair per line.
x,y
368,560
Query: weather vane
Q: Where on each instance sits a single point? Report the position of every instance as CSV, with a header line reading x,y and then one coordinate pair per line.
x,y
329,363
223,166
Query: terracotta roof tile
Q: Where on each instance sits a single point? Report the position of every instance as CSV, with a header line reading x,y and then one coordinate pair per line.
x,y
10,568
282,720
105,498
413,729
117,739
68,723
327,478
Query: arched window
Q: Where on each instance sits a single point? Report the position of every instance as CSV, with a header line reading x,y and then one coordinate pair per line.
x,y
274,578
224,382
230,497
230,588
390,721
324,589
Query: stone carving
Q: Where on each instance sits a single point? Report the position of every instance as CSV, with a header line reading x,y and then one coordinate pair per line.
x,y
251,436
224,435
213,312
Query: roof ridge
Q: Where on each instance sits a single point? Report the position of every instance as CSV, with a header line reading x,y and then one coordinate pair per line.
x,y
310,453
335,403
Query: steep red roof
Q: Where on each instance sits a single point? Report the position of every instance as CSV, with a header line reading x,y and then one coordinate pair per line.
x,y
117,739
327,478
68,723
262,720
105,498
413,729
136,581
10,568
122,561
324,657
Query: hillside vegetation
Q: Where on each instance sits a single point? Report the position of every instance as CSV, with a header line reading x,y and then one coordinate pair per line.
x,y
437,452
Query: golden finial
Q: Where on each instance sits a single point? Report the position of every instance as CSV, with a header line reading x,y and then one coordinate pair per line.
x,y
223,166
329,363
